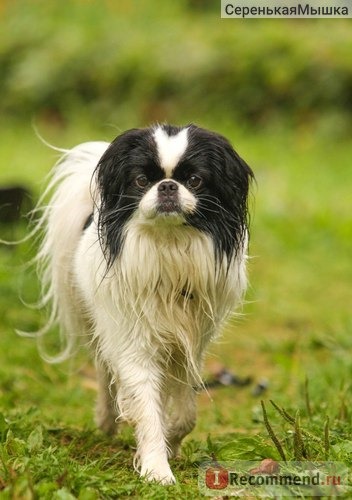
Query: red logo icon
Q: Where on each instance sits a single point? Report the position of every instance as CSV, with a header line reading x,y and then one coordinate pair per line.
x,y
216,478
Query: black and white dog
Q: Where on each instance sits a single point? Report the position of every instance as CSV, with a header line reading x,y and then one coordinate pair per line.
x,y
145,252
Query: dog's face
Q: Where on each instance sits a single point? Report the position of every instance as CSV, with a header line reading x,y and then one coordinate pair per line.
x,y
165,196
173,176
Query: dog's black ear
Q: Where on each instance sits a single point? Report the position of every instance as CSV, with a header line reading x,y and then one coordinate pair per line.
x,y
111,180
226,162
113,174
109,171
236,169
234,177
133,148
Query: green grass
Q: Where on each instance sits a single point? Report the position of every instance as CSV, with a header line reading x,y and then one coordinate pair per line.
x,y
296,328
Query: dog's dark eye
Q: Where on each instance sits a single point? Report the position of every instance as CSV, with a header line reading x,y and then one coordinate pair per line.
x,y
142,181
194,181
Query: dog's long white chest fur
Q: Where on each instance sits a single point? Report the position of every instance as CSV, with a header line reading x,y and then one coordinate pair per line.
x,y
150,276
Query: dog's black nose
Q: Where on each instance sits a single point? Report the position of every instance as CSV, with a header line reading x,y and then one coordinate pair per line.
x,y
168,197
167,188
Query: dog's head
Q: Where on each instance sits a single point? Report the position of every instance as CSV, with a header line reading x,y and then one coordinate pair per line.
x,y
169,176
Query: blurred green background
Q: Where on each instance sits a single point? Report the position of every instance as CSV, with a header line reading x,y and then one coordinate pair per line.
x,y
281,91
134,62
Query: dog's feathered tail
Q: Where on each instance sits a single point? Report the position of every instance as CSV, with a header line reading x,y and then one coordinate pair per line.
x,y
62,221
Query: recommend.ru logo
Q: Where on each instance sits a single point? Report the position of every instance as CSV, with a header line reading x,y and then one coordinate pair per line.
x,y
270,478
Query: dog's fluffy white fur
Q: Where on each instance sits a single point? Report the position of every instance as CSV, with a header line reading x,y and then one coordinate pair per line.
x,y
151,313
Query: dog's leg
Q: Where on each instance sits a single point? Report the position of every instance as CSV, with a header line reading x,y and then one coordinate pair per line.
x,y
140,400
182,417
106,407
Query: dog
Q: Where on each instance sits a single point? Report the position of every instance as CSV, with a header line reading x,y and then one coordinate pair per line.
x,y
144,253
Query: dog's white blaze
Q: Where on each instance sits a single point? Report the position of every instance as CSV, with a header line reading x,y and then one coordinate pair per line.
x,y
170,148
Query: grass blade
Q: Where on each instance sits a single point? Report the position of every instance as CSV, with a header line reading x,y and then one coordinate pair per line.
x,y
298,445
307,398
326,438
271,433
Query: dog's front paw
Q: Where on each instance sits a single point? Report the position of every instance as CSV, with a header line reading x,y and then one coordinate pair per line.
x,y
160,473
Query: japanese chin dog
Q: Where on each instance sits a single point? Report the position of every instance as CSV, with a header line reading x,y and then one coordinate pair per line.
x,y
144,253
